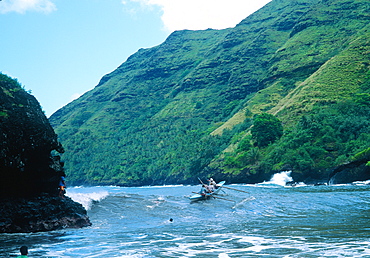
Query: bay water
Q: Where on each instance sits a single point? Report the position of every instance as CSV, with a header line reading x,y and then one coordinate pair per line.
x,y
265,220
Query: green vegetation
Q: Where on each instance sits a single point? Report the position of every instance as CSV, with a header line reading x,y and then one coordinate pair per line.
x,y
324,139
9,85
365,154
287,88
266,129
8,88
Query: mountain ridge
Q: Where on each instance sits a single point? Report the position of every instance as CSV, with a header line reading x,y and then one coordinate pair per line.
x,y
151,120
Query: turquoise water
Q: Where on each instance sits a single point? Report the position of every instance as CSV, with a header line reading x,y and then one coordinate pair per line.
x,y
271,220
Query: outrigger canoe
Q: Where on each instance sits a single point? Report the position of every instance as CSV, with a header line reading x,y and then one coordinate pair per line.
x,y
204,196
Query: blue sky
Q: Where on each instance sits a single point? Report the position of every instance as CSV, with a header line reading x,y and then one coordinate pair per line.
x,y
60,49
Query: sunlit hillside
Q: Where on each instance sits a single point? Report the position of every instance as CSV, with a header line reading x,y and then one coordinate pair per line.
x,y
187,108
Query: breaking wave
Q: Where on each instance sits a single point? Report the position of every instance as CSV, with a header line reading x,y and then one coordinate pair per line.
x,y
87,196
279,179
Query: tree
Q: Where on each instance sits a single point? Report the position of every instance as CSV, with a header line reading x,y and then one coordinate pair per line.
x,y
266,129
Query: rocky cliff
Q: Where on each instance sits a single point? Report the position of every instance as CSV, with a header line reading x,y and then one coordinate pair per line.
x,y
28,170
41,213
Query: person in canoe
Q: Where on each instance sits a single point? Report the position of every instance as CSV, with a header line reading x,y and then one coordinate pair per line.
x,y
212,183
206,189
211,187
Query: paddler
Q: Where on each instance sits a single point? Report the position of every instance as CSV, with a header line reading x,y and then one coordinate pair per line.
x,y
212,183
207,188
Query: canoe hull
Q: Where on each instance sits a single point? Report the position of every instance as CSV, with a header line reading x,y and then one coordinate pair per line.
x,y
201,196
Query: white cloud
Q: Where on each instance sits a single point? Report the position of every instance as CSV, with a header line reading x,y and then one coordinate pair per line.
x,y
202,14
22,6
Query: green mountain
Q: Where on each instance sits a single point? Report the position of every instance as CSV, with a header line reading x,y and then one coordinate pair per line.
x,y
287,88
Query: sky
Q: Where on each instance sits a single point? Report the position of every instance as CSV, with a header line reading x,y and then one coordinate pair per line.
x,y
59,49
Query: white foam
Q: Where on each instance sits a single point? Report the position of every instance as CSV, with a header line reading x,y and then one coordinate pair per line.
x,y
362,182
160,186
87,196
280,178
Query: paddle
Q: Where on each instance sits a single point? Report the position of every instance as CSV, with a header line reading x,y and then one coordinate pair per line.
x,y
210,190
234,189
201,181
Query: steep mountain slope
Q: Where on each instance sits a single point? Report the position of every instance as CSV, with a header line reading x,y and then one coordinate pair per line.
x,y
184,108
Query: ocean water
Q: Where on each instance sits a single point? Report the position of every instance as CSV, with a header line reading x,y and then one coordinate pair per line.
x,y
270,220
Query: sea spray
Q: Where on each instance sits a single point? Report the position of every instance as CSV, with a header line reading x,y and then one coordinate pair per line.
x,y
280,178
87,196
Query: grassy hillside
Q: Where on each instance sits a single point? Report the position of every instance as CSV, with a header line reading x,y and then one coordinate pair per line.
x,y
184,109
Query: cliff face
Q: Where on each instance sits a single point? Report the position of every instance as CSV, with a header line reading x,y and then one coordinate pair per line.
x,y
27,168
26,139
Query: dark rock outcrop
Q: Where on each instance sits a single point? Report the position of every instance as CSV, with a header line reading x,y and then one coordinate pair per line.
x,y
29,173
350,172
26,139
42,213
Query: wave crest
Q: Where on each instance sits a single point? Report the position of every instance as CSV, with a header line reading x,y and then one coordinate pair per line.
x,y
87,196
